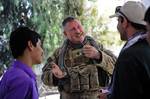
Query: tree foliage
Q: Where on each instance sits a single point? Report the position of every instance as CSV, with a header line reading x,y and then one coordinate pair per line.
x,y
45,17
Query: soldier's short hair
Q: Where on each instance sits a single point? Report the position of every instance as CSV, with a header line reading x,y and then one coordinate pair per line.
x,y
68,19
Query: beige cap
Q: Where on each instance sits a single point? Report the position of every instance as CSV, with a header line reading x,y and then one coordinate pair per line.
x,y
134,11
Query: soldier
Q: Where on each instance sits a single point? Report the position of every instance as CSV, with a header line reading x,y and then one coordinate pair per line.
x,y
78,66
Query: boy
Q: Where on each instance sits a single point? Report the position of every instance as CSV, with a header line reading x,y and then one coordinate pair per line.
x,y
19,81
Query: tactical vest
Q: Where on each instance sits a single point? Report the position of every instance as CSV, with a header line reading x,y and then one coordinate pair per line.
x,y
82,72
83,75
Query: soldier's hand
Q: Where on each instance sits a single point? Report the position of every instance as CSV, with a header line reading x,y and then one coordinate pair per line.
x,y
57,71
91,52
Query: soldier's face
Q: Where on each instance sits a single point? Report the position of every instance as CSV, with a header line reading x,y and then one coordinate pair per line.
x,y
73,30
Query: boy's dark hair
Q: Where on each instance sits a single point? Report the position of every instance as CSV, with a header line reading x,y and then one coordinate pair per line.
x,y
147,15
19,40
68,19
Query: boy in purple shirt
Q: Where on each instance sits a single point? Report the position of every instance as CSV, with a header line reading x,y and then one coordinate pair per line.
x,y
19,81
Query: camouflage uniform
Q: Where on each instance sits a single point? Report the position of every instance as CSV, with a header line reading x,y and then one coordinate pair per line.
x,y
81,81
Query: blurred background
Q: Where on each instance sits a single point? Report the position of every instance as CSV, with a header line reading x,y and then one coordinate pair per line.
x,y
45,17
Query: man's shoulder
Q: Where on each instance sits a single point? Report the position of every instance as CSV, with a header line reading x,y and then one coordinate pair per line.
x,y
14,77
57,51
140,46
17,73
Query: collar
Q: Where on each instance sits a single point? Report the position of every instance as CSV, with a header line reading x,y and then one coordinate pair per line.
x,y
24,67
135,35
76,46
134,38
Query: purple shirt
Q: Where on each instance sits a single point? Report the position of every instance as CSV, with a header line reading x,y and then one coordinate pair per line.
x,y
19,82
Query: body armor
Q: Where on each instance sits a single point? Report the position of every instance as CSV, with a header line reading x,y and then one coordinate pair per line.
x,y
83,75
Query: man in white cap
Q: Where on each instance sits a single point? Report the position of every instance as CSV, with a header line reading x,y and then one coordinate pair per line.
x,y
131,74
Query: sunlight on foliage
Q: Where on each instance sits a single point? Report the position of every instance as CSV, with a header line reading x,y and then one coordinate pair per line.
x,y
46,16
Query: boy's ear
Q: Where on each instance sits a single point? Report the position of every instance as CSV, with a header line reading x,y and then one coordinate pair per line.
x,y
30,45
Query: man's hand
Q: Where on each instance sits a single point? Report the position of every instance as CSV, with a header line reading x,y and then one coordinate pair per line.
x,y
57,71
91,52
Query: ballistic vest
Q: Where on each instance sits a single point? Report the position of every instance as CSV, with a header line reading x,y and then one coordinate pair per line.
x,y
82,73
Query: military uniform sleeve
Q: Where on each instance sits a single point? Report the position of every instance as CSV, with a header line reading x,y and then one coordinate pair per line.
x,y
47,77
107,61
